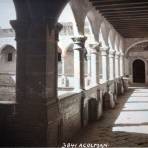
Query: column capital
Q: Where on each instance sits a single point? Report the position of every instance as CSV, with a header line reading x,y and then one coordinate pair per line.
x,y
104,50
58,28
35,29
117,53
79,42
94,47
21,29
121,54
111,53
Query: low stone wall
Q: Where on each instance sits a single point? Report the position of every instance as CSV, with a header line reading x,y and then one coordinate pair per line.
x,y
7,87
70,109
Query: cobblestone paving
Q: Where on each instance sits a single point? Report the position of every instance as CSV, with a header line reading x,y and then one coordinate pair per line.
x,y
124,126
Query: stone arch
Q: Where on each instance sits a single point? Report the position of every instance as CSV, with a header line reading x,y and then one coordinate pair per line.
x,y
116,42
88,31
32,12
65,43
121,46
103,37
84,7
134,44
7,46
111,39
8,53
95,21
138,51
20,7
67,17
138,45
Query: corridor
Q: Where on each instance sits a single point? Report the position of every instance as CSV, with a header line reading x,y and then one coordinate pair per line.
x,y
64,63
126,125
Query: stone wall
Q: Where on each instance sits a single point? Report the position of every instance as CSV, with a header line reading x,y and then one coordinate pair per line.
x,y
7,87
138,51
71,115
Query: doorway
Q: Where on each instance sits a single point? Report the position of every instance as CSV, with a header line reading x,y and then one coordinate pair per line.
x,y
138,71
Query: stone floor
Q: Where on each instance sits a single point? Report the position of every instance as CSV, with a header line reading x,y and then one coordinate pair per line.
x,y
124,126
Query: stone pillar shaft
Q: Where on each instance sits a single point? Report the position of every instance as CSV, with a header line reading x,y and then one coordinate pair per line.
x,y
121,64
36,83
64,78
103,53
117,65
94,64
79,62
89,65
111,65
63,65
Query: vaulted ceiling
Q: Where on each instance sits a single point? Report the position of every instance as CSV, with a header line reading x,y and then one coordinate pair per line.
x,y
129,17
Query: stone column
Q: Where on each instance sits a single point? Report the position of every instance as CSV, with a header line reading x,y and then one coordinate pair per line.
x,y
111,65
37,111
79,54
121,64
94,48
108,62
64,79
103,53
88,80
63,65
116,64
146,71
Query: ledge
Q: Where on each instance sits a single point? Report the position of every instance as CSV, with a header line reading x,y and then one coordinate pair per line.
x,y
68,93
8,102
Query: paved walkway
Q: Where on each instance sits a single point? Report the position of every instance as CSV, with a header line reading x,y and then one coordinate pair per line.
x,y
124,126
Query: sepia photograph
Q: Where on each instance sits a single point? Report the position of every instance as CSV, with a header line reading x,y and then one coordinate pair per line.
x,y
74,73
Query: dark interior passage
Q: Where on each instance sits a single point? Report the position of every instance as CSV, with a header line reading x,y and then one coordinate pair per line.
x,y
139,71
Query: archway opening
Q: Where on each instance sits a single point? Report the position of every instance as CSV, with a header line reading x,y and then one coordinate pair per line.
x,y
65,51
88,32
138,71
7,52
103,37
